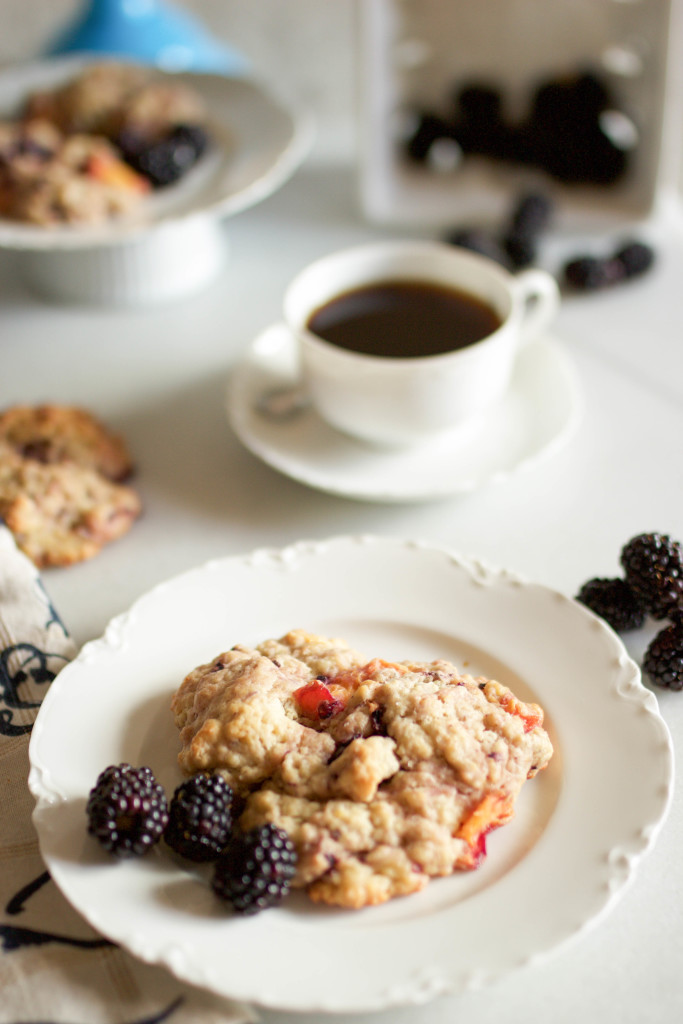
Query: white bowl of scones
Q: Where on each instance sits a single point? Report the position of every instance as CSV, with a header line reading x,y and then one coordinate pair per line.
x,y
115,177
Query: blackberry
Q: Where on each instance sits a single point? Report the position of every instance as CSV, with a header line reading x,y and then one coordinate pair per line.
x,y
520,248
529,219
480,241
568,129
590,273
480,123
570,104
653,564
127,810
479,101
615,601
200,818
256,869
193,135
635,257
531,215
663,659
168,159
428,130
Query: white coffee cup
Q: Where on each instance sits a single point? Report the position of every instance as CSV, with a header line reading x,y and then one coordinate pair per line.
x,y
403,401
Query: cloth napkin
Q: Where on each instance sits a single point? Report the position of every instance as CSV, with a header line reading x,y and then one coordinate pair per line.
x,y
54,969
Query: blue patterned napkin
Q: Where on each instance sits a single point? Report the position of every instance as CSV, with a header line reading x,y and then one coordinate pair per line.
x,y
54,969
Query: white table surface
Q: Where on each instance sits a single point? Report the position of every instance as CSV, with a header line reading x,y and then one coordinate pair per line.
x,y
158,375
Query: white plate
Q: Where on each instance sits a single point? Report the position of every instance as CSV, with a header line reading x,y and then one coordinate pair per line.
x,y
258,140
580,829
539,415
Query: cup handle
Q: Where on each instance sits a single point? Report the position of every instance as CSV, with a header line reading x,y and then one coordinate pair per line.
x,y
540,298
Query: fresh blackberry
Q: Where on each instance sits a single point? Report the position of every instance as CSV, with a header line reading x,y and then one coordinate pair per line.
x,y
480,101
599,159
193,135
614,601
568,131
256,869
200,818
168,159
428,129
480,241
635,257
591,273
570,104
653,564
479,118
531,215
663,659
127,810
521,249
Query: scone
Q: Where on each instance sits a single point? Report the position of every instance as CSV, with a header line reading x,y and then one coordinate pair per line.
x,y
58,433
384,774
92,148
61,513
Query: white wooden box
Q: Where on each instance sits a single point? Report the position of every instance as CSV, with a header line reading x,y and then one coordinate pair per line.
x,y
413,52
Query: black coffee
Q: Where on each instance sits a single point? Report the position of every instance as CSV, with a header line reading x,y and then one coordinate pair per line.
x,y
403,319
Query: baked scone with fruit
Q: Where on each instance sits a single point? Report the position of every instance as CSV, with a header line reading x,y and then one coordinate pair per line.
x,y
110,96
93,148
47,178
384,774
90,100
60,512
58,433
61,482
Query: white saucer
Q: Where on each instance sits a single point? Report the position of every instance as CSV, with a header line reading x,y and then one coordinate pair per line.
x,y
538,415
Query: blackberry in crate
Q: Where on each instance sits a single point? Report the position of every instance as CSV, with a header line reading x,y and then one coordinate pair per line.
x,y
200,818
479,117
653,563
256,870
615,601
663,659
127,810
428,129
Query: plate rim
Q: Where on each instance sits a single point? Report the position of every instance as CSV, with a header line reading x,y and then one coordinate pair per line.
x,y
623,859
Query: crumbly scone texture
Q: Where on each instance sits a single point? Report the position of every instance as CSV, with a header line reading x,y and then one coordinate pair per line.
x,y
63,159
111,96
384,774
61,513
60,433
48,179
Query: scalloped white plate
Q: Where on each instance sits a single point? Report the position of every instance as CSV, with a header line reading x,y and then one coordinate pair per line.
x,y
258,140
580,829
537,417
